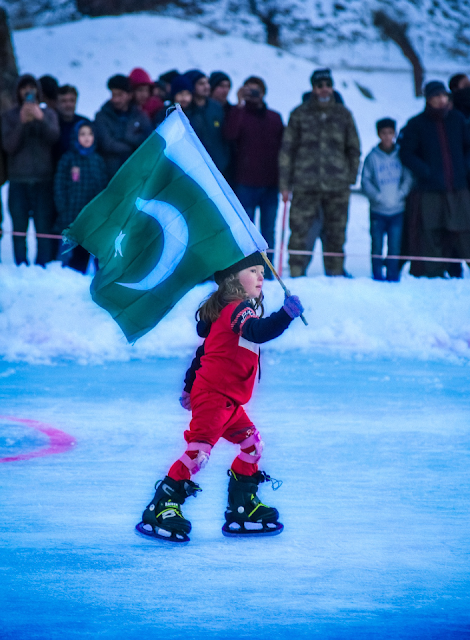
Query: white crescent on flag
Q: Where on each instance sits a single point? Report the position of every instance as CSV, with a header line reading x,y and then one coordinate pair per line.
x,y
175,241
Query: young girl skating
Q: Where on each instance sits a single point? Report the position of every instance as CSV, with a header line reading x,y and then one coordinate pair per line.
x,y
217,385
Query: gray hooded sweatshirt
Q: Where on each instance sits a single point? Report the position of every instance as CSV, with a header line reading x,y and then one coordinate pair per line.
x,y
385,181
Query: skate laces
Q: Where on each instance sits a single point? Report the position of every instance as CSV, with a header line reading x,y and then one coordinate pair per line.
x,y
264,477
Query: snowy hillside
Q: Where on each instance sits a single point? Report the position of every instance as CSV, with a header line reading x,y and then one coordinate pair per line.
x,y
48,315
344,30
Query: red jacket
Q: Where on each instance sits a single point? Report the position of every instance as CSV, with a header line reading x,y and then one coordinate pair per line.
x,y
227,362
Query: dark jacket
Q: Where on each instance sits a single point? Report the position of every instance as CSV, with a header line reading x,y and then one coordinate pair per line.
x,y
118,134
320,149
29,145
79,178
207,122
257,134
435,146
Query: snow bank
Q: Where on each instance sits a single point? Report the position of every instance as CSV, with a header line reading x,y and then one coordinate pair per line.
x,y
48,315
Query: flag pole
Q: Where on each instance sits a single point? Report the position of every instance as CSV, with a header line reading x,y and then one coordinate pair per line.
x,y
275,274
283,230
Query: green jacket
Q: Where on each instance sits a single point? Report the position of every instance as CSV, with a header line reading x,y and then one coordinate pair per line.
x,y
320,150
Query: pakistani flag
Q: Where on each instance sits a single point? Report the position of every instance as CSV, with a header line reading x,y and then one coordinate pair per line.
x,y
167,221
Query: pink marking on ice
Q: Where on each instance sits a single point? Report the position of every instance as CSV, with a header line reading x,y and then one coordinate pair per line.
x,y
59,441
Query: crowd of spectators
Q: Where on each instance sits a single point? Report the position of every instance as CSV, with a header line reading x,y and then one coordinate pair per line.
x,y
416,180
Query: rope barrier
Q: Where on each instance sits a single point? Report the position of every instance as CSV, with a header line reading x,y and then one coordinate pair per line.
x,y
295,252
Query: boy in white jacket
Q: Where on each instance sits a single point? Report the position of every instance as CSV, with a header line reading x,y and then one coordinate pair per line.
x,y
386,183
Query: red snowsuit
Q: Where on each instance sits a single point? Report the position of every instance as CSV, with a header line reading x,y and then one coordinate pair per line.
x,y
221,380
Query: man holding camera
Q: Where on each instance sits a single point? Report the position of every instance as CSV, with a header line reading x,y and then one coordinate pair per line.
x,y
29,133
318,162
257,134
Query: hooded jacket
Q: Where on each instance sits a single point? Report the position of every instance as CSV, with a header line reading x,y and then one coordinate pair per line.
x,y
29,145
385,181
81,175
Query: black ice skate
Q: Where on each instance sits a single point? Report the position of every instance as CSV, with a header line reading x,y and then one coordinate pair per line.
x,y
246,515
163,518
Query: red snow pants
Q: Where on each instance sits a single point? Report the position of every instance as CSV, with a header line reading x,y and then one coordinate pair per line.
x,y
215,416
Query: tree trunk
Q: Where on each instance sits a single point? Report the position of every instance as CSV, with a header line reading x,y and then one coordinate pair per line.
x,y
8,68
396,31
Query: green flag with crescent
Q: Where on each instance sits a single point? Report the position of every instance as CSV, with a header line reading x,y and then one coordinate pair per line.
x,y
166,221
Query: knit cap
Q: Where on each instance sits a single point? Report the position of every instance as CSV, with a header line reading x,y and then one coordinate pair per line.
x,y
193,76
434,88
249,261
216,78
138,77
180,83
321,74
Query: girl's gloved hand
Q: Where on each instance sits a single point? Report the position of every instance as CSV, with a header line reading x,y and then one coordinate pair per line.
x,y
292,306
185,400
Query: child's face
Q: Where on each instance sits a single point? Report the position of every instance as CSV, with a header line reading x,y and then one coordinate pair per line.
x,y
387,137
252,280
184,98
86,137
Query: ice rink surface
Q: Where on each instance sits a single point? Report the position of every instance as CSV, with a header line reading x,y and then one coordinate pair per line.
x,y
374,455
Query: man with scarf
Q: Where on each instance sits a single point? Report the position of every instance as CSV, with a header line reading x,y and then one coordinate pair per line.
x,y
435,146
256,132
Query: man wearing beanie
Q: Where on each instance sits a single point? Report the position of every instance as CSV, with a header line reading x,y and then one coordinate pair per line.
x,y
220,85
120,125
181,93
207,119
318,162
435,146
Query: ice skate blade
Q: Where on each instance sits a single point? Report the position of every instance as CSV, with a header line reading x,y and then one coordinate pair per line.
x,y
178,538
252,533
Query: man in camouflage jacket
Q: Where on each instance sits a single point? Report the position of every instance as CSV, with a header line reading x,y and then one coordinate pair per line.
x,y
318,162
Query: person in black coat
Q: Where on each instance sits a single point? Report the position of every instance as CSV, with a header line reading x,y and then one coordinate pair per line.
x,y
120,125
207,119
435,146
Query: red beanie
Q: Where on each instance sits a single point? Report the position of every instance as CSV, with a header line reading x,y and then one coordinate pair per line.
x,y
139,76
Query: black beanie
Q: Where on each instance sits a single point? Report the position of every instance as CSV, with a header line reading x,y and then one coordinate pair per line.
x,y
386,123
249,261
120,82
434,88
194,75
216,78
321,74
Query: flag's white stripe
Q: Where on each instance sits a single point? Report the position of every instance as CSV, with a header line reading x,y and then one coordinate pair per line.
x,y
184,148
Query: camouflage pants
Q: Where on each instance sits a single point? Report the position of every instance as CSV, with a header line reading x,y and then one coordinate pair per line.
x,y
313,215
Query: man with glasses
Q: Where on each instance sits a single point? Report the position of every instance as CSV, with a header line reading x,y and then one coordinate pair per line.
x,y
318,162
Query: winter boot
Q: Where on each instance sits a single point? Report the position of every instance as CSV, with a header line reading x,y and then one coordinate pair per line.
x,y
246,514
163,517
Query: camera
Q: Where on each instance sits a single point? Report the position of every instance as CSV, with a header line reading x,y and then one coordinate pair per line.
x,y
254,93
30,97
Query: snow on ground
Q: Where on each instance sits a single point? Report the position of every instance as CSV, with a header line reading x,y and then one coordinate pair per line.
x,y
48,316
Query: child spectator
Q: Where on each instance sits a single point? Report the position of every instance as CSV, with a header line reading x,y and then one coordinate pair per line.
x,y
81,175
386,183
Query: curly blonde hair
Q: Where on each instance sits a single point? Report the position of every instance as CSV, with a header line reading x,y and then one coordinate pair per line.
x,y
230,290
